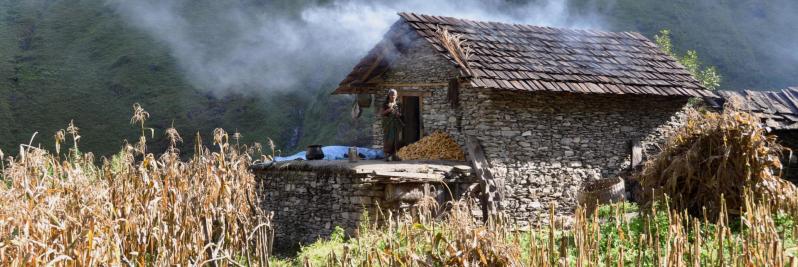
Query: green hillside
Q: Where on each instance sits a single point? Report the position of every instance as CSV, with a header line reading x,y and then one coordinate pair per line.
x,y
64,60
77,59
751,42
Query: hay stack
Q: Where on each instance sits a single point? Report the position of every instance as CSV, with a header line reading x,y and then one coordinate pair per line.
x,y
455,44
437,146
718,154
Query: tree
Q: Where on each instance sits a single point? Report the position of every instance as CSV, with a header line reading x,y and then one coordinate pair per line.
x,y
707,75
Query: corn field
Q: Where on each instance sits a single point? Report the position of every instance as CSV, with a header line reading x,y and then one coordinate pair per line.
x,y
612,236
132,209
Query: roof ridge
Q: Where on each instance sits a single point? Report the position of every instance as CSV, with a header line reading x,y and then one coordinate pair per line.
x,y
409,16
527,57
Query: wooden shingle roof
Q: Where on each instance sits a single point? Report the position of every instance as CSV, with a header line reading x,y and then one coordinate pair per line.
x,y
531,58
777,109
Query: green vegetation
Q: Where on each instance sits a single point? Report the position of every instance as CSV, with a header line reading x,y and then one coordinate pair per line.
x,y
617,234
707,75
63,60
749,41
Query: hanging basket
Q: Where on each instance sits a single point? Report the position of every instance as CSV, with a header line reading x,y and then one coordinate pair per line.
x,y
364,100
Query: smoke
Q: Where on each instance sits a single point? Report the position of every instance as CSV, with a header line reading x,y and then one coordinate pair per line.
x,y
249,46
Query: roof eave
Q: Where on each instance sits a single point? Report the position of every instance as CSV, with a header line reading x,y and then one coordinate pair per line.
x,y
690,92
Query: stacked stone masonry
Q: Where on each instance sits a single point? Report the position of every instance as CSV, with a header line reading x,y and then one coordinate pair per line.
x,y
310,198
309,204
545,145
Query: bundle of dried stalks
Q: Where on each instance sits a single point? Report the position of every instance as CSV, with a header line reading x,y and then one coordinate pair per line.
x,y
456,46
714,156
437,146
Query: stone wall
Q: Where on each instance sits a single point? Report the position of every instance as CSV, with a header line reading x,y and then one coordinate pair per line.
x,y
420,63
545,145
308,204
310,198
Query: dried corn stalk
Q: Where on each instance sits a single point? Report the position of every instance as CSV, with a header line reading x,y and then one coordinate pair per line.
x,y
437,146
456,46
718,155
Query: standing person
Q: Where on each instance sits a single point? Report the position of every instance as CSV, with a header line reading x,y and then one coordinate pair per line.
x,y
391,125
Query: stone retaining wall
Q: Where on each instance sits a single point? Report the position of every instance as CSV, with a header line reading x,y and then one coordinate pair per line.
x,y
309,204
310,198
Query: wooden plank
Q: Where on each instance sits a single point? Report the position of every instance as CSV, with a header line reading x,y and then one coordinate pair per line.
x,y
374,89
385,176
414,84
404,92
779,103
792,100
376,62
492,189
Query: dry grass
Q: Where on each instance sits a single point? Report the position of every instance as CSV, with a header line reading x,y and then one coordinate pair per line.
x,y
659,236
717,156
133,209
456,46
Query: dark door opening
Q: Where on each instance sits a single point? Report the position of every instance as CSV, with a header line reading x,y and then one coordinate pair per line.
x,y
411,116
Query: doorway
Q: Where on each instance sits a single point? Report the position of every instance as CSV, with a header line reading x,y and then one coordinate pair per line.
x,y
411,116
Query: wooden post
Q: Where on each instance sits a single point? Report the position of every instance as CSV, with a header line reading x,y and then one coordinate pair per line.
x,y
637,153
453,93
491,195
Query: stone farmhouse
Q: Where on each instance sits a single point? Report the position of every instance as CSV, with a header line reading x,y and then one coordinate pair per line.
x,y
551,109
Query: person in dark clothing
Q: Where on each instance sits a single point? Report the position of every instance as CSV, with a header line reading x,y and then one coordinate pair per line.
x,y
391,125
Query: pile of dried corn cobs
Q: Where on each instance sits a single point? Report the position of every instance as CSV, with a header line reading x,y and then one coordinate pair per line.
x,y
437,146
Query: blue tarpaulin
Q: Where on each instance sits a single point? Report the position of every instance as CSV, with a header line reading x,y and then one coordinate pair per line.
x,y
338,153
